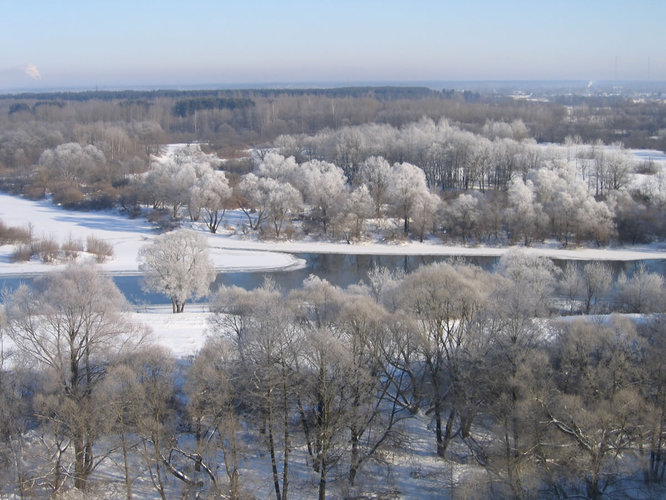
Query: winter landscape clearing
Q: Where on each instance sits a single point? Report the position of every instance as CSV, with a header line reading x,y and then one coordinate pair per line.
x,y
404,308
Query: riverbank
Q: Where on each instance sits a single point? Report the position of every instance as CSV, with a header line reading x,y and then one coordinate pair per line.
x,y
233,251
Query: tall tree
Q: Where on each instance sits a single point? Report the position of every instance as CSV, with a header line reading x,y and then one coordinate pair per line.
x,y
266,343
212,193
443,303
408,184
71,323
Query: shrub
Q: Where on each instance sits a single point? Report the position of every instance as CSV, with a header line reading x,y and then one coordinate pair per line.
x,y
11,235
648,167
72,247
100,248
46,249
67,195
23,253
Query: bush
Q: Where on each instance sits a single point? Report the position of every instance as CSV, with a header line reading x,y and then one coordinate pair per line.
x,y
71,248
67,195
163,220
23,253
12,235
100,248
47,249
647,168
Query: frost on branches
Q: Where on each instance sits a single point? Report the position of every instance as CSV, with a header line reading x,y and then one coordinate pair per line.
x,y
177,264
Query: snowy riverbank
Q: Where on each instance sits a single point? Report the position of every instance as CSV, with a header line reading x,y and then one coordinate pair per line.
x,y
232,251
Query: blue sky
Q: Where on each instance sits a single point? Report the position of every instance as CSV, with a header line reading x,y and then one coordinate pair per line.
x,y
113,43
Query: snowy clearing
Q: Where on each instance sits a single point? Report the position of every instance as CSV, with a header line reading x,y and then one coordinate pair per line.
x,y
183,334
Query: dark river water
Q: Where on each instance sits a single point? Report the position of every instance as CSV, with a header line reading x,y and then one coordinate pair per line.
x,y
339,269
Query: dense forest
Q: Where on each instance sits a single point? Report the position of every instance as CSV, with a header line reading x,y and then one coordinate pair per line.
x,y
537,381
326,381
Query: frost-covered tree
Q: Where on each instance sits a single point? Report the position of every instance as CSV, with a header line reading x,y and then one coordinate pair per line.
x,y
177,264
168,183
442,303
211,387
375,173
643,292
572,284
424,214
276,166
358,207
523,213
212,194
612,167
73,162
597,279
572,209
594,409
533,279
408,184
71,323
460,216
266,344
324,187
267,200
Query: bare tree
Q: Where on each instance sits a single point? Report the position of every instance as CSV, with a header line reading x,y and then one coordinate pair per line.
x,y
212,388
443,302
598,278
643,292
71,323
267,345
594,408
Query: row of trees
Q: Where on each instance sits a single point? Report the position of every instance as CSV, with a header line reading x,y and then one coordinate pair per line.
x,y
551,200
457,159
573,193
574,407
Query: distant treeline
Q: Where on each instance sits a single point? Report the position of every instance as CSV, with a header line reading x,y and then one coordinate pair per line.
x,y
187,107
380,93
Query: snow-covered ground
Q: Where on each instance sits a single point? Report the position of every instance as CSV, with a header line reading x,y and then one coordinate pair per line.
x,y
230,249
126,236
183,334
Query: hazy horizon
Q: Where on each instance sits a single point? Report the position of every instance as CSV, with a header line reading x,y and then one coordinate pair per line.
x,y
501,86
203,43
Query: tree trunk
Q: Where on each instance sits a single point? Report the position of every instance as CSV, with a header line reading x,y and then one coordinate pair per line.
x,y
322,477
271,443
353,466
285,409
177,306
79,462
123,439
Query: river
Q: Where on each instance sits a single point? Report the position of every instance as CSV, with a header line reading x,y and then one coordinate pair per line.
x,y
339,269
